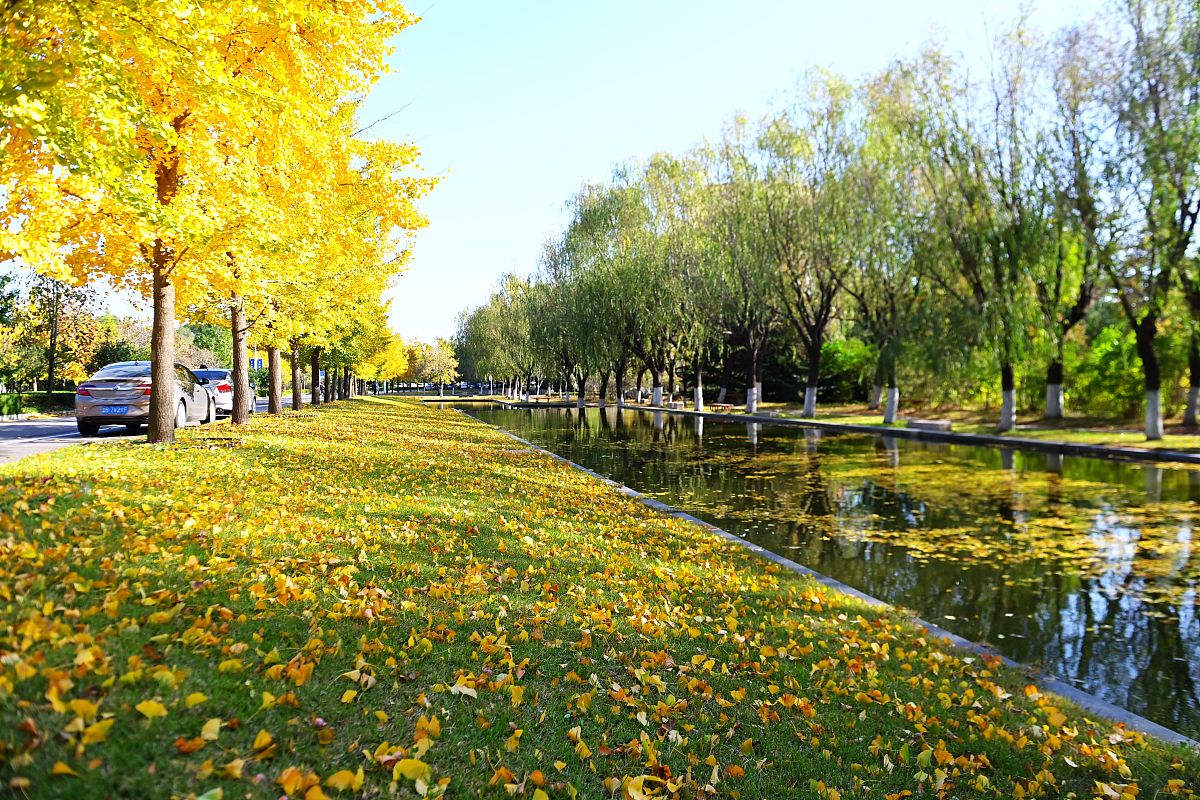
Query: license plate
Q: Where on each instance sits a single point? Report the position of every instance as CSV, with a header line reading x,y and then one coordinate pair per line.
x,y
114,409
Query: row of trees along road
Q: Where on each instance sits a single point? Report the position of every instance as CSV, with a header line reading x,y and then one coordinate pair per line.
x,y
210,155
969,229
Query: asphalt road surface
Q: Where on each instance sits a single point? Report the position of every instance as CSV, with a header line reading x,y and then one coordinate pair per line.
x,y
27,437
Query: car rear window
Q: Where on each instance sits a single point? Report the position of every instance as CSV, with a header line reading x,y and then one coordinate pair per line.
x,y
212,374
123,371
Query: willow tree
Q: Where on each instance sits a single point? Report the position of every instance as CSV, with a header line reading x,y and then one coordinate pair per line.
x,y
1085,220
677,188
887,285
653,255
812,203
1158,111
732,210
558,333
604,217
977,167
516,349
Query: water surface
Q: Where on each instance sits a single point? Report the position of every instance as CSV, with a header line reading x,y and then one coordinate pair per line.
x,y
1083,567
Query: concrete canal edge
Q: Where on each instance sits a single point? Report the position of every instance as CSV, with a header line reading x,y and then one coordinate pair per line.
x,y
1087,702
978,439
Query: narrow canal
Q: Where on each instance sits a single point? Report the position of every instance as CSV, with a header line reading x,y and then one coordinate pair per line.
x,y
1086,568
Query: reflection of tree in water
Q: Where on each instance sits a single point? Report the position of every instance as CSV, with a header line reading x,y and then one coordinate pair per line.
x,y
1069,563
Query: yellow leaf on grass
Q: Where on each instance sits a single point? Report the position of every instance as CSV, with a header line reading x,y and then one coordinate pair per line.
x,y
345,779
538,794
97,732
211,730
349,695
60,768
195,699
1057,718
411,768
262,740
84,709
151,709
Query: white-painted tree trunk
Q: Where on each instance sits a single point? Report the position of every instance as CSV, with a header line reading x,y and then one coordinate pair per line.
x,y
758,393
656,397
892,447
639,397
810,401
876,396
656,419
1154,421
751,400
1154,484
699,427
721,395
752,432
698,398
1054,401
893,405
1008,409
1193,401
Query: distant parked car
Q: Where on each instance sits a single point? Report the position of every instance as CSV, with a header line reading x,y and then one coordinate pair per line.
x,y
220,384
119,394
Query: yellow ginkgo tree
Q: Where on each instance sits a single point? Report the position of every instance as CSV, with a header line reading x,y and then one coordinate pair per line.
x,y
152,172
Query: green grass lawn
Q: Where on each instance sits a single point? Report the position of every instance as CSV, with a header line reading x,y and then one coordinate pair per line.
x,y
1073,429
382,599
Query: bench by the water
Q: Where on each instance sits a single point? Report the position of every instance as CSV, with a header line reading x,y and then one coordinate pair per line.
x,y
943,425
723,408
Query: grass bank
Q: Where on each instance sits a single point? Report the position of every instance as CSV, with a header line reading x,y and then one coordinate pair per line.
x,y
1070,429
381,599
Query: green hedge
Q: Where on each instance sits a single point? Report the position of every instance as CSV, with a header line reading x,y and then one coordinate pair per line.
x,y
18,402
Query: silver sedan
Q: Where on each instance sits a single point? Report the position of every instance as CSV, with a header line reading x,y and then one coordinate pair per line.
x,y
119,394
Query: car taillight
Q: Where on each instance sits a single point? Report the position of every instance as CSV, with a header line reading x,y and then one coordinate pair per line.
x,y
145,387
83,392
224,387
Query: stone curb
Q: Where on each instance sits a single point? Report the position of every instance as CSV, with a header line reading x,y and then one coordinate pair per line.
x,y
988,440
1087,702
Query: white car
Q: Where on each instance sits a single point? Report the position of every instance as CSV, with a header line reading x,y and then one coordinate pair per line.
x,y
220,385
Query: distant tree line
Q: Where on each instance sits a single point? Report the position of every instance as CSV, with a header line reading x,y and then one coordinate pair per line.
x,y
1029,230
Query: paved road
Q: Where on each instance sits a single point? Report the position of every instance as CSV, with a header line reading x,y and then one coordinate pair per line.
x,y
27,437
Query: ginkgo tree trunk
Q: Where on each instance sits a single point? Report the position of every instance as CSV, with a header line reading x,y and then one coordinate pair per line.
x,y
297,380
241,364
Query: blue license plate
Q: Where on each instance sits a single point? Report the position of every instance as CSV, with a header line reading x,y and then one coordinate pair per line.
x,y
114,409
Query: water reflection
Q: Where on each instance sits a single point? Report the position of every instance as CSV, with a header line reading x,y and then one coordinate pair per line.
x,y
1084,567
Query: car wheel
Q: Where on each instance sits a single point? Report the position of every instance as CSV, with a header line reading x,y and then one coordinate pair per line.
x,y
211,413
87,428
133,427
181,416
